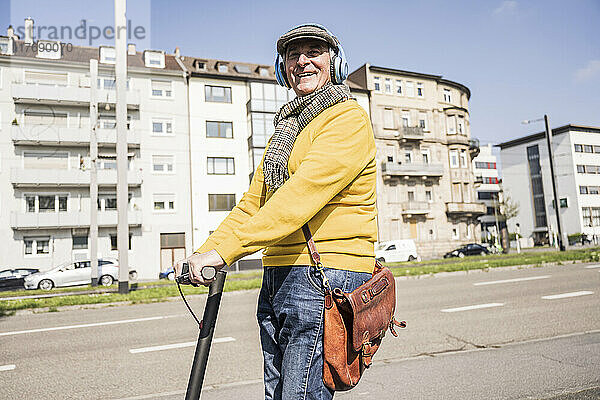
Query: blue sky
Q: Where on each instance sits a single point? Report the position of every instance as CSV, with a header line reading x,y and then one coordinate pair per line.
x,y
520,59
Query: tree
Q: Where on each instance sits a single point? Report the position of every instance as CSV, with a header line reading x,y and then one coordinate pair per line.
x,y
508,207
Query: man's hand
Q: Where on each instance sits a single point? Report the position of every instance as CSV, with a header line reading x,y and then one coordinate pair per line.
x,y
198,261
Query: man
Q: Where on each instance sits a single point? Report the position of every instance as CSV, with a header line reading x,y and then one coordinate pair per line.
x,y
319,168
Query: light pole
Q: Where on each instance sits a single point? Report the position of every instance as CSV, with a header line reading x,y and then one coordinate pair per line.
x,y
561,245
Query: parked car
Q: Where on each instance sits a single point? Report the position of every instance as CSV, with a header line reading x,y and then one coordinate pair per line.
x,y
76,273
169,274
471,249
15,278
397,251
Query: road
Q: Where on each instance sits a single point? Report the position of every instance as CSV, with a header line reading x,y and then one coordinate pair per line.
x,y
504,334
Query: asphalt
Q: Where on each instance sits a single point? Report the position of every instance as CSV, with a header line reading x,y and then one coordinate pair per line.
x,y
483,353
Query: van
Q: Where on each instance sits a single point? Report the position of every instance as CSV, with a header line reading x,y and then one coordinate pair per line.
x,y
397,251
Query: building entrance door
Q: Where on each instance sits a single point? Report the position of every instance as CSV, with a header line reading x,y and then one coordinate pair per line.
x,y
413,230
172,249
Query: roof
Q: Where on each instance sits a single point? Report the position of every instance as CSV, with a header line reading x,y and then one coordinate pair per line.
x,y
438,78
83,54
234,69
542,135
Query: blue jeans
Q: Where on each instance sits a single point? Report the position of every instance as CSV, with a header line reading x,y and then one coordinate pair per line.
x,y
290,318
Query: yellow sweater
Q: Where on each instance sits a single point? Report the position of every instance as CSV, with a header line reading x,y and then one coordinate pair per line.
x,y
331,185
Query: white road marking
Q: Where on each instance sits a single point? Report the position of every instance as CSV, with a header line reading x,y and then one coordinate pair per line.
x,y
7,367
593,266
60,328
531,278
177,345
475,307
565,295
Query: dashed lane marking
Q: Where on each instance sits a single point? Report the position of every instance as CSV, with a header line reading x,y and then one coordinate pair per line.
x,y
565,295
9,367
60,328
474,307
593,266
531,278
177,345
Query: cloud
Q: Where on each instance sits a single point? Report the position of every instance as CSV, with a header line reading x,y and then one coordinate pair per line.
x,y
590,71
506,8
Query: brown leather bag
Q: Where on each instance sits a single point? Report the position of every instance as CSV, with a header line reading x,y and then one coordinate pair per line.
x,y
354,323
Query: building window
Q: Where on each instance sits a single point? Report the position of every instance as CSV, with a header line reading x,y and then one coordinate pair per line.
x,y
587,216
425,156
588,148
377,83
217,94
453,158
469,231
37,203
463,158
4,44
49,49
460,126
420,90
262,128
268,97
46,78
107,55
490,180
80,242
154,59
113,242
578,148
388,85
162,89
219,129
220,166
423,121
595,216
537,185
592,189
583,190
162,127
485,165
163,164
36,246
221,202
455,233
107,202
410,89
451,122
447,97
411,195
408,157
487,195
388,118
163,202
399,87
405,119
428,196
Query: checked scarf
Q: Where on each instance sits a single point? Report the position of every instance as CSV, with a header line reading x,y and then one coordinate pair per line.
x,y
291,118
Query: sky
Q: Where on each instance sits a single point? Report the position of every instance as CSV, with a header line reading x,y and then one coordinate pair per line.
x,y
520,59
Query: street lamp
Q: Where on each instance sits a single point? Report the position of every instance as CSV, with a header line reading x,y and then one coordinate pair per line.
x,y
561,245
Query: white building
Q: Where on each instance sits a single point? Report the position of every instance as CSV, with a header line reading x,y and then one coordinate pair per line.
x,y
487,185
527,179
45,156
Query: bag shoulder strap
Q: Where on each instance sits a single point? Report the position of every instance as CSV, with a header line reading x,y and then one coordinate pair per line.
x,y
312,248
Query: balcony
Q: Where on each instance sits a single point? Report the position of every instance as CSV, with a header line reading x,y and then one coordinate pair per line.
x,y
390,169
466,208
415,207
474,147
68,95
53,135
411,133
60,220
23,178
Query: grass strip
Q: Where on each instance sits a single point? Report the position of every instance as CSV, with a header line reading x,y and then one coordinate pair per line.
x,y
252,280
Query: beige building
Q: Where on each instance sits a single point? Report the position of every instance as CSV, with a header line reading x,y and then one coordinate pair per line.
x,y
425,188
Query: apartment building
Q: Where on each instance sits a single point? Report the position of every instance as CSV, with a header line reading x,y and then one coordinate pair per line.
x,y
425,188
45,155
527,179
487,186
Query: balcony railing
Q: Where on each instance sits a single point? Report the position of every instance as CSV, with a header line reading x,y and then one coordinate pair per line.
x,y
457,139
51,135
466,208
411,133
411,169
415,207
67,95
79,219
69,177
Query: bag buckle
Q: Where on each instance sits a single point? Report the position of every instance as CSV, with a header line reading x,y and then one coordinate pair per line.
x,y
326,284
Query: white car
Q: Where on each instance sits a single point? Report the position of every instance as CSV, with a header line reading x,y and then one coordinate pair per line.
x,y
76,273
397,251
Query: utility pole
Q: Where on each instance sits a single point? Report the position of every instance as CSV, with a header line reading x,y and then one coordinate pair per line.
x,y
561,245
121,116
93,172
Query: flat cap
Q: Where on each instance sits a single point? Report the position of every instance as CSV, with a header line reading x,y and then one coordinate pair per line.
x,y
308,31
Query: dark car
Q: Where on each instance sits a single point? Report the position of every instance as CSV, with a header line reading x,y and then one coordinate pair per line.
x,y
471,249
15,278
